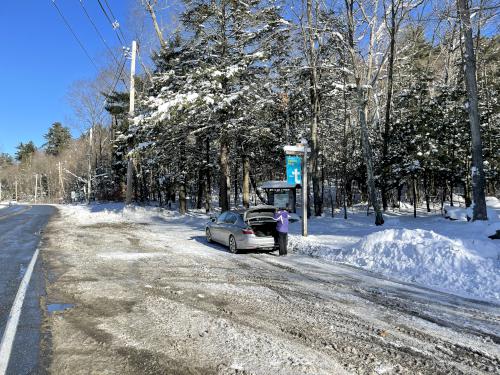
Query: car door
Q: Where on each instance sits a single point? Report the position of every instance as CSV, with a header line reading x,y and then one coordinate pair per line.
x,y
217,228
229,226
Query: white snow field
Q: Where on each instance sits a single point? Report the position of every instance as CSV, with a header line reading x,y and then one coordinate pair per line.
x,y
448,255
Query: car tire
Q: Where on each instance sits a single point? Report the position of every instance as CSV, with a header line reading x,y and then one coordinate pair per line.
x,y
209,235
232,245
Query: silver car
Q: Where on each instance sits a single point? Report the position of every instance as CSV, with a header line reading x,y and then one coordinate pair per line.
x,y
253,228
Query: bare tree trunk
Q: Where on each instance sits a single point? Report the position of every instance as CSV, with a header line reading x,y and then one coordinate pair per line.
x,y
208,182
201,175
246,181
367,152
414,188
150,8
387,122
182,197
224,175
257,192
478,178
201,188
182,181
236,187
315,109
362,111
426,192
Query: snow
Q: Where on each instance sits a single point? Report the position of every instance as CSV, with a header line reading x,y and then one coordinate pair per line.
x,y
109,213
430,250
136,261
117,255
452,256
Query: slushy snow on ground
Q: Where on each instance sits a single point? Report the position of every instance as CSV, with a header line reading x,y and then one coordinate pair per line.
x,y
453,256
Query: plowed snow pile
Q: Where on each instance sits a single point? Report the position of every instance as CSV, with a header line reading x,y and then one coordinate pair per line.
x,y
454,256
427,258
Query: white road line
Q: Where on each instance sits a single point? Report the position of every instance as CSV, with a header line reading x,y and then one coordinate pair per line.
x,y
13,320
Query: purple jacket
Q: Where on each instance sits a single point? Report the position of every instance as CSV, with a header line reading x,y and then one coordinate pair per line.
x,y
282,221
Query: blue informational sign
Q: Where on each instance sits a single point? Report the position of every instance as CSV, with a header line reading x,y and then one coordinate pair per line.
x,y
293,170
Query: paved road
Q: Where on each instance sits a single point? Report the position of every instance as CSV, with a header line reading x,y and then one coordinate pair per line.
x,y
20,231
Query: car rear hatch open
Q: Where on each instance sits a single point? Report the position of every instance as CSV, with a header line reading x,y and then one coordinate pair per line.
x,y
260,219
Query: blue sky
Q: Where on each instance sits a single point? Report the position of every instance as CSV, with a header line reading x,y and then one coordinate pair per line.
x,y
41,59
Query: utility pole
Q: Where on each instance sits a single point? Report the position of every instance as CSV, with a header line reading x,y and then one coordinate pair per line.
x,y
130,165
304,190
89,180
16,188
61,183
36,187
0,191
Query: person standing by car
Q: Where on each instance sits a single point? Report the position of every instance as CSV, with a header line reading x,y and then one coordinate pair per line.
x,y
281,217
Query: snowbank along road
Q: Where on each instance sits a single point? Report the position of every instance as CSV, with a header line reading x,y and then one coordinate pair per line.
x,y
20,347
142,292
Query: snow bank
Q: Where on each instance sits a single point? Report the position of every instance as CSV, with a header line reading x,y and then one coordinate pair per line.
x,y
465,214
110,213
453,256
113,213
428,258
463,267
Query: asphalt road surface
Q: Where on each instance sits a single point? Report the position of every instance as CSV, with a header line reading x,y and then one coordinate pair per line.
x,y
20,232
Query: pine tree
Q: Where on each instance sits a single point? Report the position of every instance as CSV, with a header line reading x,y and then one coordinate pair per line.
x,y
25,152
58,138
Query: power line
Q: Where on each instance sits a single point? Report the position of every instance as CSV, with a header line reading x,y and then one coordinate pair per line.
x,y
100,36
112,15
98,32
74,35
114,24
116,79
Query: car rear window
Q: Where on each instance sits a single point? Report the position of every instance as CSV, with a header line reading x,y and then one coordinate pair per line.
x,y
230,218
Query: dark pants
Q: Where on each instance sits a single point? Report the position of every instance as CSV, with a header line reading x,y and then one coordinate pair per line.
x,y
283,242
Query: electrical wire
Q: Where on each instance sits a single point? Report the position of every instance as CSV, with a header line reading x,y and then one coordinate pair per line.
x,y
101,36
74,34
98,32
118,76
112,23
113,16
116,79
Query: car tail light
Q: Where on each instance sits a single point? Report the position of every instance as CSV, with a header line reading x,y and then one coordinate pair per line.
x,y
248,231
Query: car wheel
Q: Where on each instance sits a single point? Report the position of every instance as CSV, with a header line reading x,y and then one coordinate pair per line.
x,y
209,235
232,245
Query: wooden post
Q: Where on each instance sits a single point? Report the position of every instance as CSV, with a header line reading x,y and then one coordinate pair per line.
x,y
304,190
36,187
130,165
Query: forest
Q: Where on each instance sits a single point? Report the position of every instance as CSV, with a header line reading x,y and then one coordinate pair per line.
x,y
398,100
